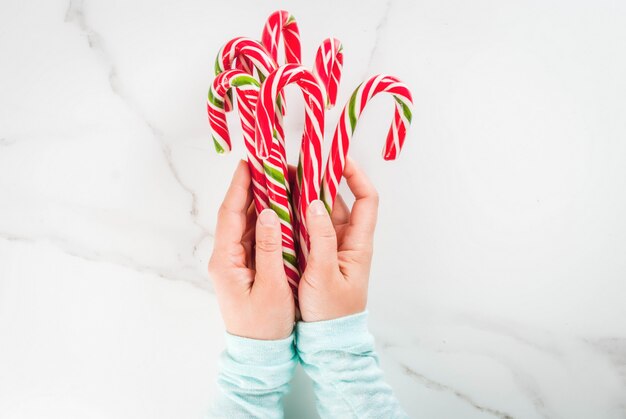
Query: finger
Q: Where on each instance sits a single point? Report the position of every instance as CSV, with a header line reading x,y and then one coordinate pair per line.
x,y
340,214
323,249
365,209
231,217
269,250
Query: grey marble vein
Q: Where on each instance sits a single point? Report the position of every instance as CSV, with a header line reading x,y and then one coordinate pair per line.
x,y
516,332
528,386
75,14
614,348
378,31
178,273
435,385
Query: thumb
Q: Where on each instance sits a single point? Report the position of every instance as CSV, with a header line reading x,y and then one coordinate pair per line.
x,y
323,251
269,250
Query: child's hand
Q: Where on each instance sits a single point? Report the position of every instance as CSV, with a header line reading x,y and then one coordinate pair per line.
x,y
335,281
250,282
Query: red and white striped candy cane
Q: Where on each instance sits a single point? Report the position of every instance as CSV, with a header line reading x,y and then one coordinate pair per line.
x,y
240,50
327,68
244,54
247,92
241,47
347,124
256,54
282,24
311,148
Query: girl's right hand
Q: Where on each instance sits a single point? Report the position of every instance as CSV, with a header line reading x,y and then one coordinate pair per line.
x,y
334,283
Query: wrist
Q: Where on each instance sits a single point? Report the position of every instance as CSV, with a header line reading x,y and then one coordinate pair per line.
x,y
256,327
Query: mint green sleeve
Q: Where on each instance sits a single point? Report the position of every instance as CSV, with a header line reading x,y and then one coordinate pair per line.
x,y
253,377
339,357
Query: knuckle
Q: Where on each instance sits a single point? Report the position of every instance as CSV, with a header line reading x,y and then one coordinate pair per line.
x,y
356,258
328,233
268,244
323,230
325,244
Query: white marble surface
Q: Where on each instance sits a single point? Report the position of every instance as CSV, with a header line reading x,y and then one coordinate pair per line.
x,y
499,280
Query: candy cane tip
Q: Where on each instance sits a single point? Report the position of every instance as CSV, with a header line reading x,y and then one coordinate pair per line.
x,y
389,155
219,148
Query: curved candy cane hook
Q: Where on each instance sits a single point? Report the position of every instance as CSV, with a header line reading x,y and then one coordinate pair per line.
x,y
236,49
241,47
247,90
347,124
244,54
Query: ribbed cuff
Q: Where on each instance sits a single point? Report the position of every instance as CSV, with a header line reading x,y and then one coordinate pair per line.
x,y
260,352
337,334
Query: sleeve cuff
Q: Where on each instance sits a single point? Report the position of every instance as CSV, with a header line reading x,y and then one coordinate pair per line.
x,y
337,334
260,352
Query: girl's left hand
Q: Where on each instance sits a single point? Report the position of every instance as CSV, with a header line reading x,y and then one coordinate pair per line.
x,y
247,266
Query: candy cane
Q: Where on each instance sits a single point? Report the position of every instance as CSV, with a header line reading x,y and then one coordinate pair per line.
x,y
243,54
231,53
281,23
311,148
242,47
347,123
327,68
247,91
239,48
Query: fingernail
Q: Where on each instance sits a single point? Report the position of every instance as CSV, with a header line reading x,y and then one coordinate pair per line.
x,y
317,208
268,217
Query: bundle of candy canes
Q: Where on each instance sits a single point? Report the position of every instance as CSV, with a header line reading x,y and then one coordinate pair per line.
x,y
248,71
